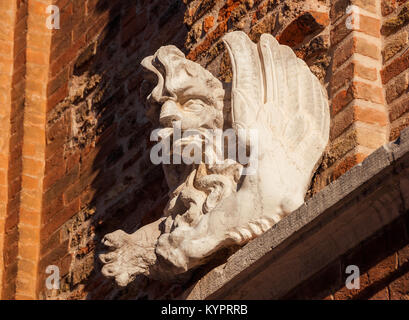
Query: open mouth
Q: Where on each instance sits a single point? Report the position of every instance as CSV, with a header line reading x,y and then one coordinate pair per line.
x,y
179,139
169,121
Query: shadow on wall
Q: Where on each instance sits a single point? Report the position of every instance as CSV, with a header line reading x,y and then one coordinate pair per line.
x,y
122,188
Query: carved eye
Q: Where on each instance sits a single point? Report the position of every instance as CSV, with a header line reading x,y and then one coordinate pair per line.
x,y
193,106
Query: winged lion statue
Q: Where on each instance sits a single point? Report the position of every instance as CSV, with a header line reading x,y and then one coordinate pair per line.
x,y
215,205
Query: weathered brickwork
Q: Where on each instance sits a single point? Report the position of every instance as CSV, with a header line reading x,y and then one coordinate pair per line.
x,y
383,262
395,28
355,88
24,145
7,58
74,139
97,165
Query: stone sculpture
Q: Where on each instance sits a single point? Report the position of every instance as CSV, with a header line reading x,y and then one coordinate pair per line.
x,y
213,206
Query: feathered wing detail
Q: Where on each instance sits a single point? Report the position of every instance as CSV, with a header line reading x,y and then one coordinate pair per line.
x,y
300,104
275,87
275,92
246,67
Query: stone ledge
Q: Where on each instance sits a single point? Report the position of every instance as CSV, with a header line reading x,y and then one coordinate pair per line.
x,y
372,194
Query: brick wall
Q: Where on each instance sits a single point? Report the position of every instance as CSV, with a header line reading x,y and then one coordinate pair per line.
x,y
359,118
13,69
395,56
24,83
7,56
383,262
74,157
98,176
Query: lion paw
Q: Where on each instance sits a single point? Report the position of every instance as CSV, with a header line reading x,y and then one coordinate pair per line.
x,y
126,257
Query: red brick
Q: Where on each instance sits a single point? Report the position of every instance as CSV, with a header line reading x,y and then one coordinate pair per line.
x,y
54,162
11,251
397,127
33,167
346,164
397,87
383,294
68,57
66,17
57,97
305,24
49,243
365,72
58,81
370,26
60,218
52,176
57,131
398,108
19,296
367,92
339,8
59,46
226,11
382,269
76,189
355,113
346,75
395,23
30,183
29,217
399,288
341,100
339,32
72,160
58,188
96,27
208,23
388,6
37,56
29,235
53,257
372,116
209,40
354,45
195,11
31,199
369,5
34,134
35,119
35,86
398,65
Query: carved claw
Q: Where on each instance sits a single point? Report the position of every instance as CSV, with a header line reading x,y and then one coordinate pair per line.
x,y
114,240
128,256
121,278
115,263
108,257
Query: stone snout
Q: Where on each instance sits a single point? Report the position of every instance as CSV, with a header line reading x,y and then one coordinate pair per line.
x,y
170,113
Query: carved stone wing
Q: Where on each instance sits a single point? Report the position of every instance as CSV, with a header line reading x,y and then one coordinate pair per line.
x,y
274,90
